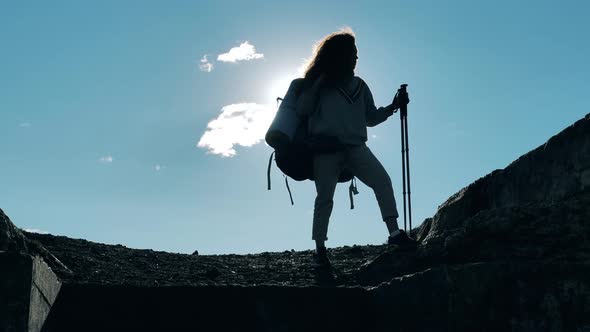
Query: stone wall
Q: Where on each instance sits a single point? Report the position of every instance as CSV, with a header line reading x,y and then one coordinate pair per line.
x,y
28,289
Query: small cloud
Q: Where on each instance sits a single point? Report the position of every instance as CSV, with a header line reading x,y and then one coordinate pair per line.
x,y
34,230
242,124
244,52
106,159
24,124
205,65
373,136
159,168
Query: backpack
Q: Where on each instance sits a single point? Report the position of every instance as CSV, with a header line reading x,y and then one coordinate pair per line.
x,y
293,153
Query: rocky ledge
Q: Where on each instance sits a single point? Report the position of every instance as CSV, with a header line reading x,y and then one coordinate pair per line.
x,y
509,252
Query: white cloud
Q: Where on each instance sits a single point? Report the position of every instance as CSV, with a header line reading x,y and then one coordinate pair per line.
x,y
242,124
24,124
372,136
106,159
205,65
244,52
159,168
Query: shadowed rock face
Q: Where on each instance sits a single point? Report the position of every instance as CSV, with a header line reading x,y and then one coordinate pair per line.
x,y
552,172
11,238
509,252
537,233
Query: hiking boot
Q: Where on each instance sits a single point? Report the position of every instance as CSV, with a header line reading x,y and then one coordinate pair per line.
x,y
320,258
402,241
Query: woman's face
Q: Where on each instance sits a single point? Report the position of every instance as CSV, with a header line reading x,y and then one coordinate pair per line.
x,y
353,57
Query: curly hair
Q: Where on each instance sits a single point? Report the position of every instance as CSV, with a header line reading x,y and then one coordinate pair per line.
x,y
331,56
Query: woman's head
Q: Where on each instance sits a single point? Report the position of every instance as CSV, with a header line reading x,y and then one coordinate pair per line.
x,y
335,55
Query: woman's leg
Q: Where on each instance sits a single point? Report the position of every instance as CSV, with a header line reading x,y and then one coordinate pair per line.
x,y
326,170
367,168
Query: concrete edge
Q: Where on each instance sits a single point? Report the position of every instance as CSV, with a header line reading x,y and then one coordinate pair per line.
x,y
29,289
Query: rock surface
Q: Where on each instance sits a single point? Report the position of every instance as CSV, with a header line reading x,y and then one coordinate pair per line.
x,y
521,268
509,252
551,172
11,238
102,264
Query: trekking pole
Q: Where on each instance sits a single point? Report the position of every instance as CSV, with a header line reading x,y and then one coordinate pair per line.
x,y
402,93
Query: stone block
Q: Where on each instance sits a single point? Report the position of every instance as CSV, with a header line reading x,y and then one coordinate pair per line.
x,y
15,286
28,289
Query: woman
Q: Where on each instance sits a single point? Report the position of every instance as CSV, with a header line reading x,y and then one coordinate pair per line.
x,y
340,106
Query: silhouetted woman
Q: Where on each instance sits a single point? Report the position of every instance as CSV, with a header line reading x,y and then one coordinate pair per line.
x,y
340,106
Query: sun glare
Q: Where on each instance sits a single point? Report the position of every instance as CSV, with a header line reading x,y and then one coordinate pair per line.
x,y
279,87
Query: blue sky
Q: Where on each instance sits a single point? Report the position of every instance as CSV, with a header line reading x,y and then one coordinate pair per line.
x,y
103,103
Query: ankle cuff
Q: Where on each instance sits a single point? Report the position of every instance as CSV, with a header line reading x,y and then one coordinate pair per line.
x,y
395,233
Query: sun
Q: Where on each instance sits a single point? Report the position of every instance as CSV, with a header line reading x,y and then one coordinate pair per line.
x,y
278,88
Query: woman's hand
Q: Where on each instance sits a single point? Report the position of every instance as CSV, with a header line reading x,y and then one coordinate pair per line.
x,y
399,100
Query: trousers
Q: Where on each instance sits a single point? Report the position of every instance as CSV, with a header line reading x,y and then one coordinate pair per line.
x,y
361,162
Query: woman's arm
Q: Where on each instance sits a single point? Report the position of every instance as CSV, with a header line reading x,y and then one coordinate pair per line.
x,y
374,115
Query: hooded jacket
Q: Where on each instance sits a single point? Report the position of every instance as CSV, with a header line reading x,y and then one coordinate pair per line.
x,y
345,112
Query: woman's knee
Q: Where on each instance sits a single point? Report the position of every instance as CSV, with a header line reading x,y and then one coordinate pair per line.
x,y
380,182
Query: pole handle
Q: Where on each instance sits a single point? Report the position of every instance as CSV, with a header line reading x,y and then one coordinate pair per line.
x,y
403,108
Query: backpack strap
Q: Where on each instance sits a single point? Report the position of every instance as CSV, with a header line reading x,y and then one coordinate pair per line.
x,y
288,189
352,190
268,170
286,178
